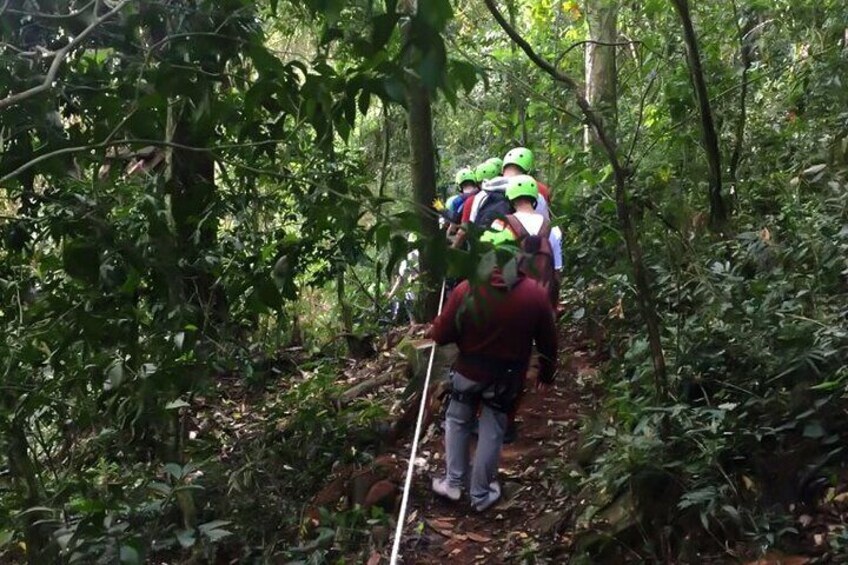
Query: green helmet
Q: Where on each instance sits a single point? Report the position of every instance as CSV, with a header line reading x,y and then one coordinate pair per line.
x,y
465,174
520,157
498,163
522,185
487,170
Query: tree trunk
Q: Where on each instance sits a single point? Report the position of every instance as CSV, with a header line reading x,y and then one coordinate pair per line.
x,y
601,72
718,212
424,190
25,476
191,185
423,160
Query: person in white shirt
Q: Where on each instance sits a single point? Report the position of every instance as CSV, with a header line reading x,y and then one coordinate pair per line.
x,y
523,194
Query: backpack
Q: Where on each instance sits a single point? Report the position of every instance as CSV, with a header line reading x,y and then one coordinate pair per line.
x,y
453,209
538,263
493,207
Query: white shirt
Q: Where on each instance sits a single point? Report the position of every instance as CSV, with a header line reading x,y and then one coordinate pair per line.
x,y
532,222
542,207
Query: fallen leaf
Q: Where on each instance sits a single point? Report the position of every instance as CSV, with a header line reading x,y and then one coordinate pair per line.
x,y
841,497
439,524
478,537
443,531
375,558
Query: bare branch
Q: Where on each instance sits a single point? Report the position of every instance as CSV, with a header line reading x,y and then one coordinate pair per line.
x,y
591,116
640,120
594,42
59,58
46,16
191,34
109,142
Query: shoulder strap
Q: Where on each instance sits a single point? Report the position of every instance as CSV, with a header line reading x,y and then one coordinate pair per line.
x,y
516,226
545,230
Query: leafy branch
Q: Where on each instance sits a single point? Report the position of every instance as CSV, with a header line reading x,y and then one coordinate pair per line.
x,y
59,58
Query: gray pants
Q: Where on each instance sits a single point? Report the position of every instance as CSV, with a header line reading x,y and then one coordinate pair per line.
x,y
460,416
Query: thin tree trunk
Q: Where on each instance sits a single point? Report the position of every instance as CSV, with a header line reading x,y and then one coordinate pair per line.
x,y
718,212
644,294
326,139
387,147
745,48
344,305
601,71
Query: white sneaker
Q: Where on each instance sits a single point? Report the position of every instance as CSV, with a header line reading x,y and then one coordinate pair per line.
x,y
441,487
494,497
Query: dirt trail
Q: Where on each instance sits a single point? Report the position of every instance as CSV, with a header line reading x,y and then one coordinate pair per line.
x,y
529,518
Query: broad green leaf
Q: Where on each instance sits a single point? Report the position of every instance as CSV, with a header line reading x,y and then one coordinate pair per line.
x,y
130,555
6,537
176,404
175,470
214,524
814,430
186,538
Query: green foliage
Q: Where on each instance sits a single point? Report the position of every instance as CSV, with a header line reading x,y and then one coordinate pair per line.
x,y
179,187
755,334
182,203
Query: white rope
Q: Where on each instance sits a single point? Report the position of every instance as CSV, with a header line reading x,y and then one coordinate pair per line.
x,y
411,467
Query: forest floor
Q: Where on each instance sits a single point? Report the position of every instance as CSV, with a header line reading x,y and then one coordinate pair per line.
x,y
533,517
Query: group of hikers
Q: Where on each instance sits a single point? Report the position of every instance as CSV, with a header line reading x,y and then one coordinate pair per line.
x,y
496,324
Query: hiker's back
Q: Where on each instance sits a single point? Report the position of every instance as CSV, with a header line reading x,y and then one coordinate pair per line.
x,y
534,241
500,321
491,203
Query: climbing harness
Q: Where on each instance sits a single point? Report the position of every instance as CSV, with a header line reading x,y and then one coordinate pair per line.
x,y
411,467
503,390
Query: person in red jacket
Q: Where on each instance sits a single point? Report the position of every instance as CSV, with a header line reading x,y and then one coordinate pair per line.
x,y
494,325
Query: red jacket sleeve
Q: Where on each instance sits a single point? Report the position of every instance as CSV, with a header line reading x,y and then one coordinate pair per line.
x,y
546,340
444,328
545,191
466,209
